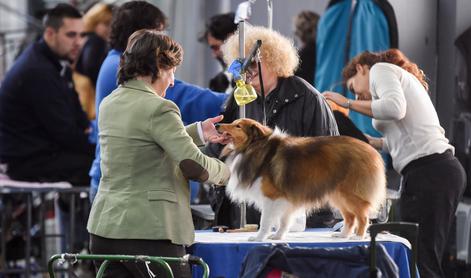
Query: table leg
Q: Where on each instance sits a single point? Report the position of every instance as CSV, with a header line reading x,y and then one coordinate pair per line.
x,y
29,201
42,219
3,246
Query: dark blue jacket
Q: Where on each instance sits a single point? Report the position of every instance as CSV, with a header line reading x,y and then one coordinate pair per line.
x,y
40,112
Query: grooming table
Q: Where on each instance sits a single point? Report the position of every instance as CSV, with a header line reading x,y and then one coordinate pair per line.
x,y
224,252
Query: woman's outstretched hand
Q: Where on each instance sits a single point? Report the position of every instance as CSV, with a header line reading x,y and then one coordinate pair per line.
x,y
337,98
210,133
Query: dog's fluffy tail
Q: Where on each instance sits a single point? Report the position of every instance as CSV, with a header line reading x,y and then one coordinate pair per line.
x,y
375,191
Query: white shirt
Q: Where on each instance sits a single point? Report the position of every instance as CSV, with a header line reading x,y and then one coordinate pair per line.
x,y
403,112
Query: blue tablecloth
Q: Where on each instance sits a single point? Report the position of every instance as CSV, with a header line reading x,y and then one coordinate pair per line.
x,y
224,252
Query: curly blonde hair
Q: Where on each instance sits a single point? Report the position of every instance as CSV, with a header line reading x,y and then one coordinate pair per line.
x,y
277,52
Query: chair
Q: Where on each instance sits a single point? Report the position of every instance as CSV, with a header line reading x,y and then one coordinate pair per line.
x,y
408,230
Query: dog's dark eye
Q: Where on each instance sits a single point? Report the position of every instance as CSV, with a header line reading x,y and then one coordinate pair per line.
x,y
238,126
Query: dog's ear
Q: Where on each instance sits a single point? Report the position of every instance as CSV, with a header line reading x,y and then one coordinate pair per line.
x,y
259,131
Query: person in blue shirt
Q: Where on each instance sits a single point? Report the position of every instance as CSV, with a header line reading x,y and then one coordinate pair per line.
x,y
195,103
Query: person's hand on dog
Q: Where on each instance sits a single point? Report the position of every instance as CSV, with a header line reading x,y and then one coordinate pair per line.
x,y
211,134
337,98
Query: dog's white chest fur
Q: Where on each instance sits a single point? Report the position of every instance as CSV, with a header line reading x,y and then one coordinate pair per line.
x,y
251,194
276,213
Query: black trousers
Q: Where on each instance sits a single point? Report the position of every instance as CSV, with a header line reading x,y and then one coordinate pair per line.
x,y
101,245
432,188
54,167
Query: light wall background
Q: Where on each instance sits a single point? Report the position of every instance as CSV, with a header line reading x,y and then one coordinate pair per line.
x,y
427,30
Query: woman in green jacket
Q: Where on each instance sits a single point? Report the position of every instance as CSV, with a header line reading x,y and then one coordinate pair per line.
x,y
148,156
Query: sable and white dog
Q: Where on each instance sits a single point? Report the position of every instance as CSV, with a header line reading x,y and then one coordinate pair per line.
x,y
281,174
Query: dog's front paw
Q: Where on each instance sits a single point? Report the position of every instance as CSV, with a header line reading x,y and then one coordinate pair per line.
x,y
357,237
339,235
276,236
273,236
256,238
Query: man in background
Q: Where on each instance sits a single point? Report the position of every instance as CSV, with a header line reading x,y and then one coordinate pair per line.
x,y
218,29
43,129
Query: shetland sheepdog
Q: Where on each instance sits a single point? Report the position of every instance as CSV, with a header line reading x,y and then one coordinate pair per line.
x,y
281,174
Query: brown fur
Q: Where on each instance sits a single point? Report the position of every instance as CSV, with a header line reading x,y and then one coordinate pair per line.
x,y
311,171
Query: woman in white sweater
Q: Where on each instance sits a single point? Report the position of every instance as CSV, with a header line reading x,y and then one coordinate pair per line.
x,y
393,91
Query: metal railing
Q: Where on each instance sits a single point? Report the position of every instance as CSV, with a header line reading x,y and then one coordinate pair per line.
x,y
107,259
37,203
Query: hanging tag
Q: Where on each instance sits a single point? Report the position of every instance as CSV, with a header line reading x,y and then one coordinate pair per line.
x,y
151,274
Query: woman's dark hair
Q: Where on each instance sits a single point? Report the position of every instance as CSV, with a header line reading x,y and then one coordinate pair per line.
x,y
148,52
392,56
133,16
305,24
220,27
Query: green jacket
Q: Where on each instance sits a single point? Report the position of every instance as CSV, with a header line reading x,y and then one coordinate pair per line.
x,y
147,157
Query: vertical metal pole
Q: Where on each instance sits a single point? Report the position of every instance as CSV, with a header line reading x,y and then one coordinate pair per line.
x,y
3,244
270,13
243,206
29,220
72,229
3,54
242,56
72,222
42,220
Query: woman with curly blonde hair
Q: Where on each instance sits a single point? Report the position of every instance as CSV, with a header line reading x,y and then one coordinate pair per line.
x,y
278,54
291,104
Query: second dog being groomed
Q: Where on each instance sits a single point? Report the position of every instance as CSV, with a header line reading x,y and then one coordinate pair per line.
x,y
281,174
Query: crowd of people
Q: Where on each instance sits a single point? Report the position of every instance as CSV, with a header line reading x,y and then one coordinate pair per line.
x,y
95,102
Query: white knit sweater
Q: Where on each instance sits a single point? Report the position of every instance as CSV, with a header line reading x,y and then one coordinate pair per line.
x,y
403,112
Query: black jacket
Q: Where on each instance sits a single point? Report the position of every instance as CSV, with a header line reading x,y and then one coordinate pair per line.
x,y
294,106
40,111
92,56
307,64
